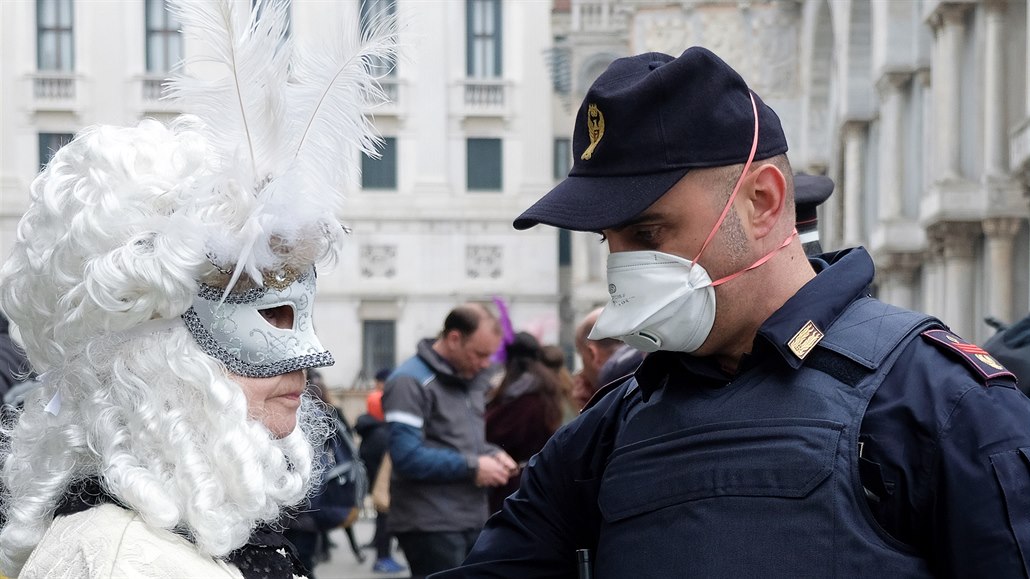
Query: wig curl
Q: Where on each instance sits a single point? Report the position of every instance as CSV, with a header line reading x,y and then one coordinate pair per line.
x,y
115,237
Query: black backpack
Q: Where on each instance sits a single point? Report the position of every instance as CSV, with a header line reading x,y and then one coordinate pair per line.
x,y
344,482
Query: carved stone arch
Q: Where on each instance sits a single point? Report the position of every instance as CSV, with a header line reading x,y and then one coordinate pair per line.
x,y
592,68
817,63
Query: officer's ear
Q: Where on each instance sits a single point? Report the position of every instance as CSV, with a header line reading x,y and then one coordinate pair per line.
x,y
764,200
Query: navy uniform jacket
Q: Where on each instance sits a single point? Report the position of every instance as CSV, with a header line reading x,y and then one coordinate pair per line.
x,y
945,447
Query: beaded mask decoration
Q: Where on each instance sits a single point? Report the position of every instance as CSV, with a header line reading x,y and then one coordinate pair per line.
x,y
288,123
236,332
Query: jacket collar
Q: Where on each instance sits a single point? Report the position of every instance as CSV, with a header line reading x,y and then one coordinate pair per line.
x,y
841,278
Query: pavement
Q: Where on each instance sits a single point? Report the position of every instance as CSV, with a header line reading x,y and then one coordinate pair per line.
x,y
342,563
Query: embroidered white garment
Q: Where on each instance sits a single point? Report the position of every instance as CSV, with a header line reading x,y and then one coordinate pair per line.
x,y
111,542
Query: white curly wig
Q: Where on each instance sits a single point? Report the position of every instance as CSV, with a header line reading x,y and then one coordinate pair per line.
x,y
111,241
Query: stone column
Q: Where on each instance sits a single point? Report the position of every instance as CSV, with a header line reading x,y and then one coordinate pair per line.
x,y
891,183
855,135
958,287
995,130
897,275
926,145
933,300
1000,234
947,70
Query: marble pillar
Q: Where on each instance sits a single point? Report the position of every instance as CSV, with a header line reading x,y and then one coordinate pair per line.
x,y
995,151
896,274
933,268
855,135
958,287
999,235
891,182
950,24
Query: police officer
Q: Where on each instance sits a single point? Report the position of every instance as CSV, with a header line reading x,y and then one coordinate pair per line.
x,y
1011,346
786,424
809,193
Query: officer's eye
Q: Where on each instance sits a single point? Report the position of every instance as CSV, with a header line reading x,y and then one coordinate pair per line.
x,y
646,235
280,316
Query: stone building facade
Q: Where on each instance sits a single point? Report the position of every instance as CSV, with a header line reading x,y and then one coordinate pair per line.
x,y
919,110
468,145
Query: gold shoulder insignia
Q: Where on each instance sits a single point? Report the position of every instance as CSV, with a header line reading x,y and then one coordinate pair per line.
x,y
806,339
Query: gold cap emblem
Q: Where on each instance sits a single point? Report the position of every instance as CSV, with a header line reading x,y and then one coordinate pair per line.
x,y
806,339
595,130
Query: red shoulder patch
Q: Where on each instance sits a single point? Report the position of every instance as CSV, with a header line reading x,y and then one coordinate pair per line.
x,y
974,356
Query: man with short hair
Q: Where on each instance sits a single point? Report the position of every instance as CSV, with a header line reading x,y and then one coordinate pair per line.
x,y
593,354
786,423
809,193
434,404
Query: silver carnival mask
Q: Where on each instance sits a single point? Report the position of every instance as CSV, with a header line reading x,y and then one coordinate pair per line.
x,y
235,332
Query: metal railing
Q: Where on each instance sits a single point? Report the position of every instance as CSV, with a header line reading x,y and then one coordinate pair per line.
x,y
391,88
597,15
49,86
484,94
152,88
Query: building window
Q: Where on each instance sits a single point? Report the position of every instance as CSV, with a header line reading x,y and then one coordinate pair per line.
x,y
164,37
484,169
374,13
483,38
49,143
381,173
377,346
54,41
562,158
262,5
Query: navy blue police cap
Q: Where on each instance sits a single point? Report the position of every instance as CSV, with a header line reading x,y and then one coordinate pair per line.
x,y
809,192
645,122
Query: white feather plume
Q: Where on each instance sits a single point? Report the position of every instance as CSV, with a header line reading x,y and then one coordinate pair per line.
x,y
284,124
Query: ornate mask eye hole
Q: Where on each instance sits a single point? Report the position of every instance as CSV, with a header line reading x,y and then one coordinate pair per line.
x,y
281,317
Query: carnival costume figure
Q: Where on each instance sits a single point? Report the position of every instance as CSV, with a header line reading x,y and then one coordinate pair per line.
x,y
163,281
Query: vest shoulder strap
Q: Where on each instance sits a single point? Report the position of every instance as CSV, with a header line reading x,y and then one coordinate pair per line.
x,y
868,331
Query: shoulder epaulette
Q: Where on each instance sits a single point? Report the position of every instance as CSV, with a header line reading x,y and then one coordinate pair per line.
x,y
972,355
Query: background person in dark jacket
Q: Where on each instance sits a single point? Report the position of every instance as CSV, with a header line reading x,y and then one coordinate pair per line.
x,y
335,503
1011,347
524,411
442,464
375,440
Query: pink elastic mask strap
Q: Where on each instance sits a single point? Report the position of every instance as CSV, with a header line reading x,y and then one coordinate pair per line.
x,y
729,204
767,257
